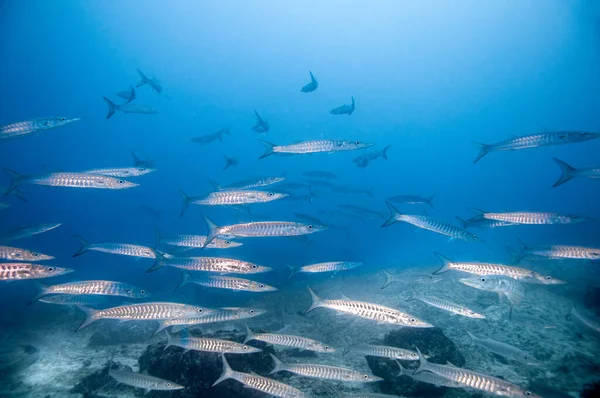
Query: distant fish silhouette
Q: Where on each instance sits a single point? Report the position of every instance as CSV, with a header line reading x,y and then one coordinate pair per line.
x,y
261,126
127,95
344,109
230,162
151,82
312,86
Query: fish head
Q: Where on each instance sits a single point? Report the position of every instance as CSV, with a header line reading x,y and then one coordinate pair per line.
x,y
470,237
367,378
568,219
261,287
268,196
478,282
115,183
593,254
352,145
52,122
246,349
141,170
45,271
473,314
274,180
415,322
224,243
27,255
320,347
310,228
134,292
191,311
46,227
250,312
166,385
548,280
580,136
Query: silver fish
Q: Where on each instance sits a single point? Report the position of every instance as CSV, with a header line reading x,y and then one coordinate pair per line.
x,y
429,378
531,218
19,271
210,264
259,383
478,222
69,180
408,278
217,315
412,199
332,266
383,351
310,87
230,197
535,140
17,254
247,184
346,109
505,286
154,83
477,268
209,345
94,287
32,126
314,146
197,241
431,224
444,305
208,138
122,172
262,125
503,349
477,381
569,172
556,252
287,340
27,232
325,372
128,95
226,282
143,312
260,229
584,320
365,310
144,381
128,108
124,249
73,299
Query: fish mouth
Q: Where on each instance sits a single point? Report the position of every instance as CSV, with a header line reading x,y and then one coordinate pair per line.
x,y
468,282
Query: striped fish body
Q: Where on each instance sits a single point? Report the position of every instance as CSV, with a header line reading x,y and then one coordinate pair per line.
x,y
198,241
512,289
544,139
215,264
26,232
502,349
249,184
144,381
211,345
95,287
476,268
72,299
217,315
570,252
232,283
238,197
268,229
151,311
19,271
432,378
325,372
287,340
317,146
268,386
534,218
385,352
122,172
437,226
332,266
81,180
449,306
16,254
31,126
123,249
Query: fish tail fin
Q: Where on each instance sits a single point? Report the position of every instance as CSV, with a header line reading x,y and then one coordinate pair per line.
x,y
293,270
249,334
214,184
514,256
384,152
389,278
471,337
159,261
394,213
316,300
136,161
143,79
463,223
478,212
412,294
185,202
15,180
518,256
227,371
567,172
19,194
445,264
112,107
212,233
278,366
169,339
43,291
229,162
269,149
400,368
162,325
185,279
370,192
423,363
90,317
312,77
83,246
353,107
484,149
429,201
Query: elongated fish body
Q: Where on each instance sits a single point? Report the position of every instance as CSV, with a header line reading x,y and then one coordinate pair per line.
x,y
412,199
259,383
19,271
143,312
212,264
445,305
217,315
231,197
371,311
209,345
325,372
332,266
208,138
123,249
260,229
536,140
122,172
128,95
197,241
562,251
535,218
144,381
502,349
477,268
569,172
287,340
478,381
17,254
72,299
26,232
429,378
346,109
314,146
512,289
408,277
479,222
312,86
249,184
383,351
584,320
227,282
94,287
430,224
32,126
80,180
154,83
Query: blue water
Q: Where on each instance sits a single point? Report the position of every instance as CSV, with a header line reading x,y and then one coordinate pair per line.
x,y
429,78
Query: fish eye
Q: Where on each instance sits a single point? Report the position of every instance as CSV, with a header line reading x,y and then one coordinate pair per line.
x,y
475,237
357,142
528,393
366,377
595,254
200,310
142,291
245,348
251,311
254,266
36,254
270,194
141,169
482,279
51,269
261,285
44,225
121,181
63,119
168,384
310,227
413,320
415,355
227,242
548,277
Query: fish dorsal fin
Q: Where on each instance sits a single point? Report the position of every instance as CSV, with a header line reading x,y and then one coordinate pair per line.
x,y
345,298
451,364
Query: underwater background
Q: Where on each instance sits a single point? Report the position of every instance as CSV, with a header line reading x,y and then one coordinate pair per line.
x,y
429,79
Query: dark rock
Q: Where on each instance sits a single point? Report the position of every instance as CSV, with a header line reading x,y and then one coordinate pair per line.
x,y
591,299
591,390
112,333
87,362
432,342
98,382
